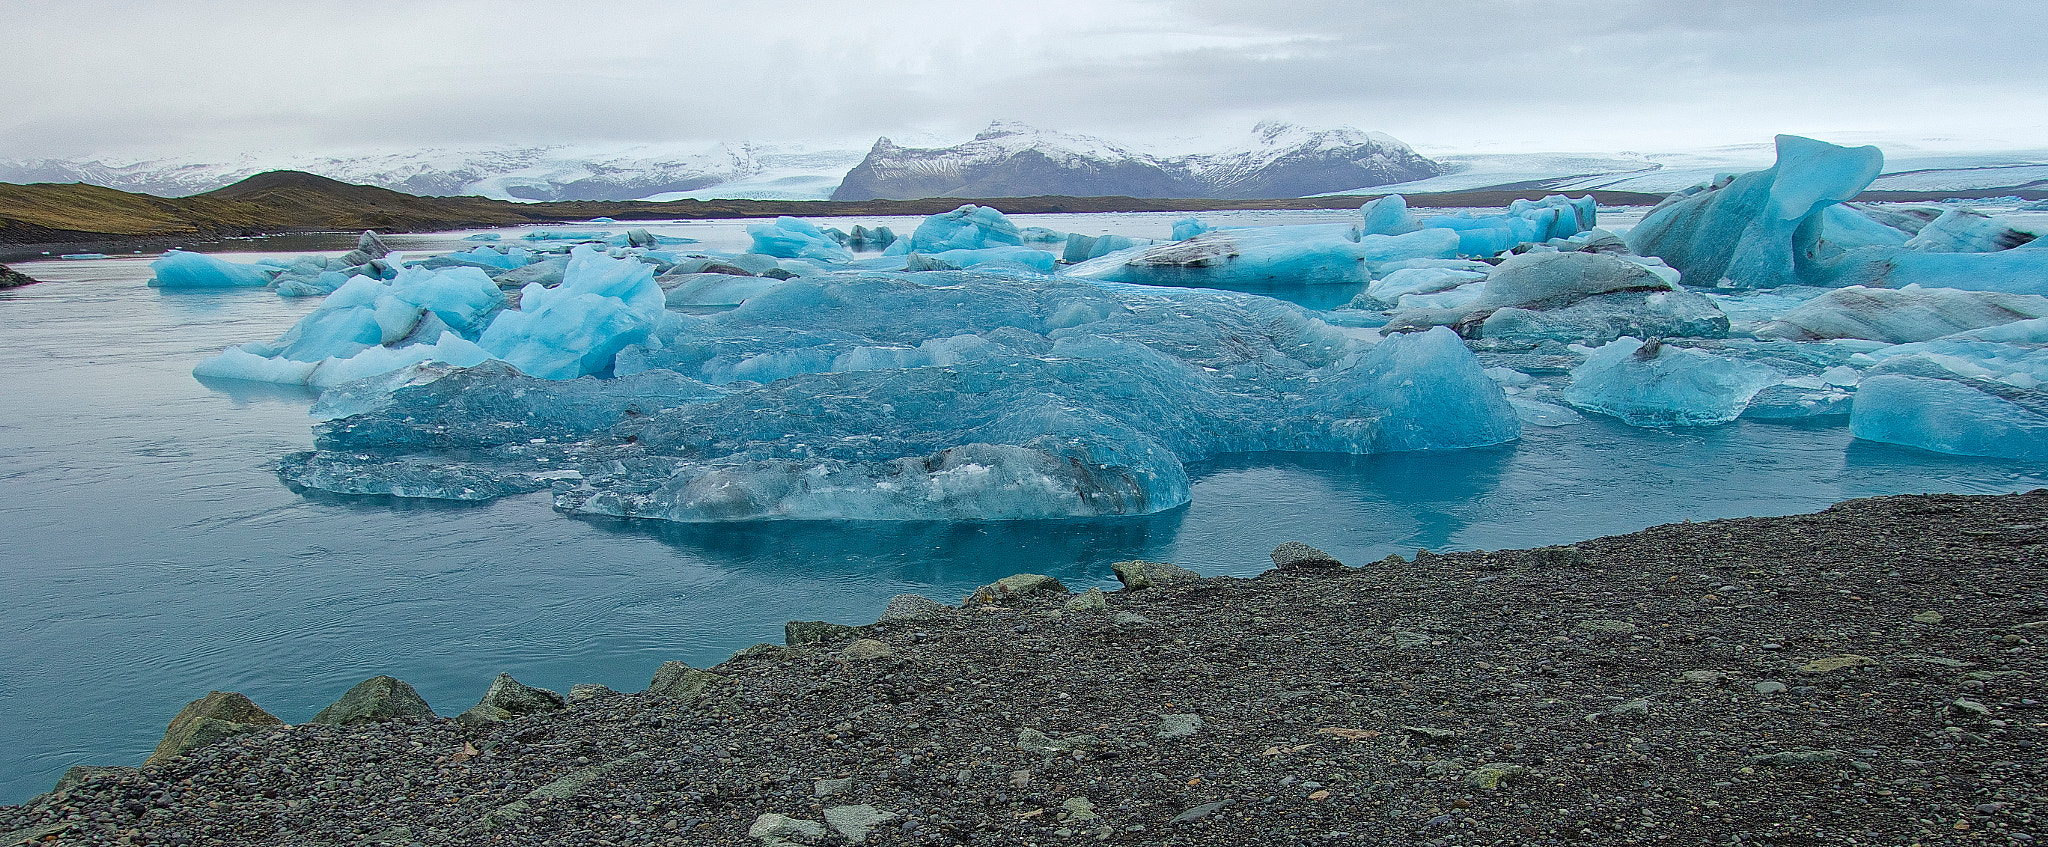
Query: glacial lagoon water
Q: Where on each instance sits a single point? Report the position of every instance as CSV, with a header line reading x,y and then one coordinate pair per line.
x,y
151,554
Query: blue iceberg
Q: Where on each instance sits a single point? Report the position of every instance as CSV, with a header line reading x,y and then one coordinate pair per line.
x,y
980,397
576,328
1948,416
1659,385
795,238
1773,227
180,269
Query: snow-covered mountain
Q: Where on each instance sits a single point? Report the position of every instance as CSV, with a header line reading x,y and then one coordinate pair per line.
x,y
1013,160
511,173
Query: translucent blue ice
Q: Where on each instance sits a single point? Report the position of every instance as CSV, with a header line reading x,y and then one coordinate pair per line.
x,y
969,227
370,326
1388,215
1187,228
1261,258
1772,227
1660,385
575,328
1488,235
180,269
992,258
1946,416
981,397
795,238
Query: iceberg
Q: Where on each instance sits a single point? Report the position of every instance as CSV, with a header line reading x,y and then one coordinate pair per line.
x,y
1773,227
1264,257
1526,221
969,227
1947,416
370,326
950,395
1545,295
795,238
1898,316
1388,215
1967,231
576,328
180,269
1657,385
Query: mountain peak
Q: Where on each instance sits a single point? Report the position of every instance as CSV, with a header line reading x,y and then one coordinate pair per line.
x,y
1003,129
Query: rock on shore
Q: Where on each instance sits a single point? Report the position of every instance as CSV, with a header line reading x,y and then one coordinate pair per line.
x,y
11,278
1869,674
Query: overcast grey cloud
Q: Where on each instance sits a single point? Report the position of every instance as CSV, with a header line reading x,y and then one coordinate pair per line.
x,y
217,78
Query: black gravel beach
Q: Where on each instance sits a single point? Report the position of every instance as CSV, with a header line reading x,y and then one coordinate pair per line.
x,y
1870,674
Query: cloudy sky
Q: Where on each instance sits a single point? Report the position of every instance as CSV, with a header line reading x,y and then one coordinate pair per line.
x,y
209,79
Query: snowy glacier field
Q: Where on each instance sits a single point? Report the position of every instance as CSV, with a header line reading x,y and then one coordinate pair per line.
x,y
153,554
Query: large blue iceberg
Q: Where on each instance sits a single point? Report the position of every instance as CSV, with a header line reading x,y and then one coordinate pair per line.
x,y
959,396
1786,225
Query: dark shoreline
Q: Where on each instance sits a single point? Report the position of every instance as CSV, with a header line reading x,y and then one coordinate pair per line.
x,y
76,218
1869,674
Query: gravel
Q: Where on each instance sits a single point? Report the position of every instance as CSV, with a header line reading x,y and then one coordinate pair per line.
x,y
1460,700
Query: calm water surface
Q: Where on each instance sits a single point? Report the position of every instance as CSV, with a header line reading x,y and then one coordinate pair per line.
x,y
152,555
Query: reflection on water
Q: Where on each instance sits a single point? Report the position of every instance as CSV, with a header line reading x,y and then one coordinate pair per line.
x,y
153,555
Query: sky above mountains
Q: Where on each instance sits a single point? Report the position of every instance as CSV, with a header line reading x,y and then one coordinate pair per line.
x,y
227,77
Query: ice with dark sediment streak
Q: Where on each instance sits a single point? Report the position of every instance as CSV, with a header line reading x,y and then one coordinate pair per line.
x,y
1900,316
1773,227
1261,258
882,398
1571,296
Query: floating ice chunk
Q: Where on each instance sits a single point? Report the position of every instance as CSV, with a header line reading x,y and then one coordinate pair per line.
x,y
1436,394
1187,228
1584,297
1390,288
239,363
1013,258
969,227
1041,235
370,326
980,398
576,328
1388,215
1081,248
180,269
1260,258
1539,413
1772,227
1526,221
1967,231
795,238
1454,298
1605,317
448,348
1743,231
1796,400
566,235
1657,385
1899,316
713,289
1946,416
